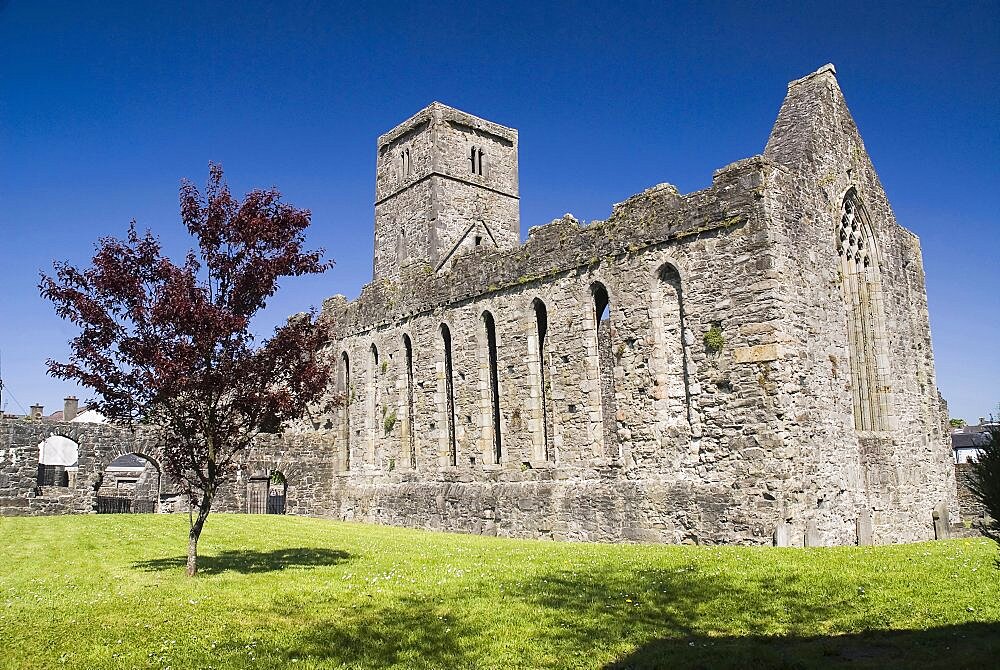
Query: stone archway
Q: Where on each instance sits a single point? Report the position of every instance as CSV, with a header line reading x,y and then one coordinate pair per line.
x,y
130,484
129,480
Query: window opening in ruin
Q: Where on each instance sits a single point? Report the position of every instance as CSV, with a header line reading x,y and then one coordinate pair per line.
x,y
58,461
130,484
407,167
605,362
479,240
476,160
449,388
674,362
52,475
865,324
410,439
373,400
345,410
494,384
542,380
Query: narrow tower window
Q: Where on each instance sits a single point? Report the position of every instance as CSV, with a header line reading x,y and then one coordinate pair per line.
x,y
494,383
407,167
449,388
476,160
410,443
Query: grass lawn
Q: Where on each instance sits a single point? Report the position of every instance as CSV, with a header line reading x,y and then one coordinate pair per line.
x,y
283,592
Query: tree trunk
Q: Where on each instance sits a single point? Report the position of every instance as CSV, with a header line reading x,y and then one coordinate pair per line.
x,y
195,533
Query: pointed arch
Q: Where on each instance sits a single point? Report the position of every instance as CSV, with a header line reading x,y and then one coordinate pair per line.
x,y
540,382
862,289
671,374
347,392
605,364
372,402
492,408
410,414
449,399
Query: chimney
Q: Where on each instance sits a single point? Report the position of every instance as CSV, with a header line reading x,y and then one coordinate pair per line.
x,y
71,407
36,411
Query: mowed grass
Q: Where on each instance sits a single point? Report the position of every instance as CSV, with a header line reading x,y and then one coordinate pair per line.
x,y
285,592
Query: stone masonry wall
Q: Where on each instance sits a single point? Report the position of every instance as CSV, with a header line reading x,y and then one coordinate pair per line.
x,y
306,460
969,504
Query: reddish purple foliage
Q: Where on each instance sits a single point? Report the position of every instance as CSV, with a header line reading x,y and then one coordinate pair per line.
x,y
170,344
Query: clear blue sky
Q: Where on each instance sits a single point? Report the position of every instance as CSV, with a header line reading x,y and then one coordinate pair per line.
x,y
105,106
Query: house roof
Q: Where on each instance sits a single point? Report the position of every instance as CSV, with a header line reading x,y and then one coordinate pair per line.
x,y
128,461
969,440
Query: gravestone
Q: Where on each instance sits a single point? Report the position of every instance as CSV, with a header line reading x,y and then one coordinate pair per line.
x,y
941,522
865,530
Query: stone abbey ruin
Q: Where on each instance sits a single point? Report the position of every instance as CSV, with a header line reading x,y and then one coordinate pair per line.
x,y
750,363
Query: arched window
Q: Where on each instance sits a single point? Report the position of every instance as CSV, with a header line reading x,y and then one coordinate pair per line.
x,y
606,363
58,458
406,168
476,155
373,402
865,316
130,484
410,440
671,373
493,385
449,389
541,384
345,412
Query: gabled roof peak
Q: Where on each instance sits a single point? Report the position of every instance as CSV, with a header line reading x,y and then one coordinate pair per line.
x,y
827,69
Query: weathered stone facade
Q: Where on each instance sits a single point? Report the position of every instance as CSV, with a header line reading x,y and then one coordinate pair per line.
x,y
750,363
303,459
809,414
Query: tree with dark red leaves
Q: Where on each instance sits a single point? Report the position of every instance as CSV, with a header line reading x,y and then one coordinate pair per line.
x,y
170,345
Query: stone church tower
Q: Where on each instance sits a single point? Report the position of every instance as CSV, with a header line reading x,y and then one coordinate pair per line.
x,y
446,182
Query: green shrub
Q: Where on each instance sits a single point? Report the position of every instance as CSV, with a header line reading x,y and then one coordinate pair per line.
x,y
390,420
985,482
714,341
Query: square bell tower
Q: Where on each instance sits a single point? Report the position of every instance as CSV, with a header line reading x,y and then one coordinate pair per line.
x,y
445,183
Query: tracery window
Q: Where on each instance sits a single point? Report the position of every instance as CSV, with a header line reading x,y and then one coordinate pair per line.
x,y
865,315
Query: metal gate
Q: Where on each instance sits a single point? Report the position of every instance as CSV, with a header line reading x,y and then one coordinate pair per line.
x,y
265,498
276,500
125,505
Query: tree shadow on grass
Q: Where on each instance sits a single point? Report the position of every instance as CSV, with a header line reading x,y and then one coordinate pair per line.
x,y
621,618
694,618
411,633
968,645
249,562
